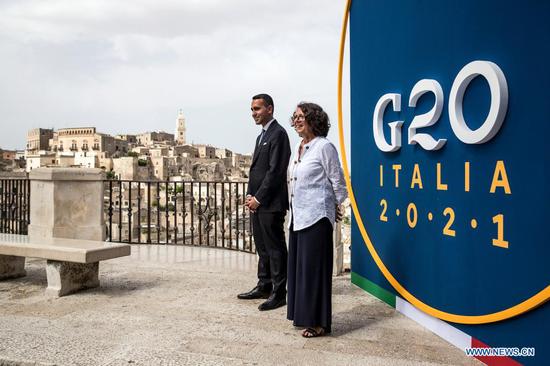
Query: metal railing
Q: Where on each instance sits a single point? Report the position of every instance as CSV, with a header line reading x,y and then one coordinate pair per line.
x,y
208,213
14,206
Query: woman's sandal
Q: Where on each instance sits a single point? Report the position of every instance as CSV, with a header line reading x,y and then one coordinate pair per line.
x,y
312,333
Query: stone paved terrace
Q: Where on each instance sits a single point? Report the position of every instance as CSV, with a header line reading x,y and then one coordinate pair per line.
x,y
169,305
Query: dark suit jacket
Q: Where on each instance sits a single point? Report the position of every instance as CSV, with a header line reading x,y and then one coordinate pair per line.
x,y
267,177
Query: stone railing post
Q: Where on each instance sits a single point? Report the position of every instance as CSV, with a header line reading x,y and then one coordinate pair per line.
x,y
68,203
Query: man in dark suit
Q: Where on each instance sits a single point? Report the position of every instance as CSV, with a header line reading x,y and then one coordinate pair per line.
x,y
267,198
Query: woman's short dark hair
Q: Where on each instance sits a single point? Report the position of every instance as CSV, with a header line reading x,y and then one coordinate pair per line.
x,y
316,117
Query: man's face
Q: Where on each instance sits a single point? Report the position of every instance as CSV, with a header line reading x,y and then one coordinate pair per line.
x,y
260,112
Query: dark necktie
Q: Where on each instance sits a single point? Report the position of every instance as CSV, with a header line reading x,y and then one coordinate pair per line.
x,y
261,137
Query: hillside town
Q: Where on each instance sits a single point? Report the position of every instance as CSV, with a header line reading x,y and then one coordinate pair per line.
x,y
154,155
163,189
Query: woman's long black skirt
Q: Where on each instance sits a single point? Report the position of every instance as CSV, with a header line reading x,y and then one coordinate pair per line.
x,y
310,276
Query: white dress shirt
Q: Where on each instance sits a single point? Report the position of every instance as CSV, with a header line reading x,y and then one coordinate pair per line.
x,y
264,130
315,183
268,124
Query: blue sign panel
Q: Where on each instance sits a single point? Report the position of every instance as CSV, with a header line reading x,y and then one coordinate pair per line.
x,y
450,159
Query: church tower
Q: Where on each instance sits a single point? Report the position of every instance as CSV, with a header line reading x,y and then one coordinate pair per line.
x,y
180,129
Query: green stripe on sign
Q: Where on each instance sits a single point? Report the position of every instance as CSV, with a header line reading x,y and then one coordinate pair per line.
x,y
373,289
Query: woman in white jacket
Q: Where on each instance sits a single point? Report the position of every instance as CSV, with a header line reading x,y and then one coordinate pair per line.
x,y
316,190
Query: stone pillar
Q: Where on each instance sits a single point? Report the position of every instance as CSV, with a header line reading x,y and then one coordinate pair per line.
x,y
12,267
64,278
68,203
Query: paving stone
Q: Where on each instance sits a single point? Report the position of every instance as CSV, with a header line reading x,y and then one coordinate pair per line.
x,y
168,305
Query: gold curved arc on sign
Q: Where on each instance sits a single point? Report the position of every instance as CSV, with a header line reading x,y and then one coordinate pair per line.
x,y
529,304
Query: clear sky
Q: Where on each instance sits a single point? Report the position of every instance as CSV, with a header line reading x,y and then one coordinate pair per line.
x,y
128,66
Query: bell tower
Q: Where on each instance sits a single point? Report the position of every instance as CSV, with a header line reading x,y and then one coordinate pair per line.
x,y
180,129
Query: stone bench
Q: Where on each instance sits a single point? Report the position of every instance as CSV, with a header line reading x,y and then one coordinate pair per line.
x,y
72,264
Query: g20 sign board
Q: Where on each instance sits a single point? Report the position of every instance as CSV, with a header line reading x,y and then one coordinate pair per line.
x,y
450,123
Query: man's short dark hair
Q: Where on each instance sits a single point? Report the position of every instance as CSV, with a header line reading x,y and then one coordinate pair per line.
x,y
268,101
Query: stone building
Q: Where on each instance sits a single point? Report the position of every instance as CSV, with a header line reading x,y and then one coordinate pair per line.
x,y
187,151
242,161
126,168
129,168
58,159
159,151
64,159
152,138
40,159
87,139
79,146
38,139
222,153
8,155
206,151
141,150
147,156
165,167
208,170
86,159
131,139
12,160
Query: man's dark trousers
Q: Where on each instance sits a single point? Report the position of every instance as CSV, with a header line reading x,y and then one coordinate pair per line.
x,y
269,238
267,183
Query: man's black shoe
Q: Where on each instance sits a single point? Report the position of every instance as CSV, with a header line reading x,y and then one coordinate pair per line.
x,y
255,293
273,302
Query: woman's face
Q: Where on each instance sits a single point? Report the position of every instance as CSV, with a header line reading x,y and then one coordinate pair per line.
x,y
300,124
